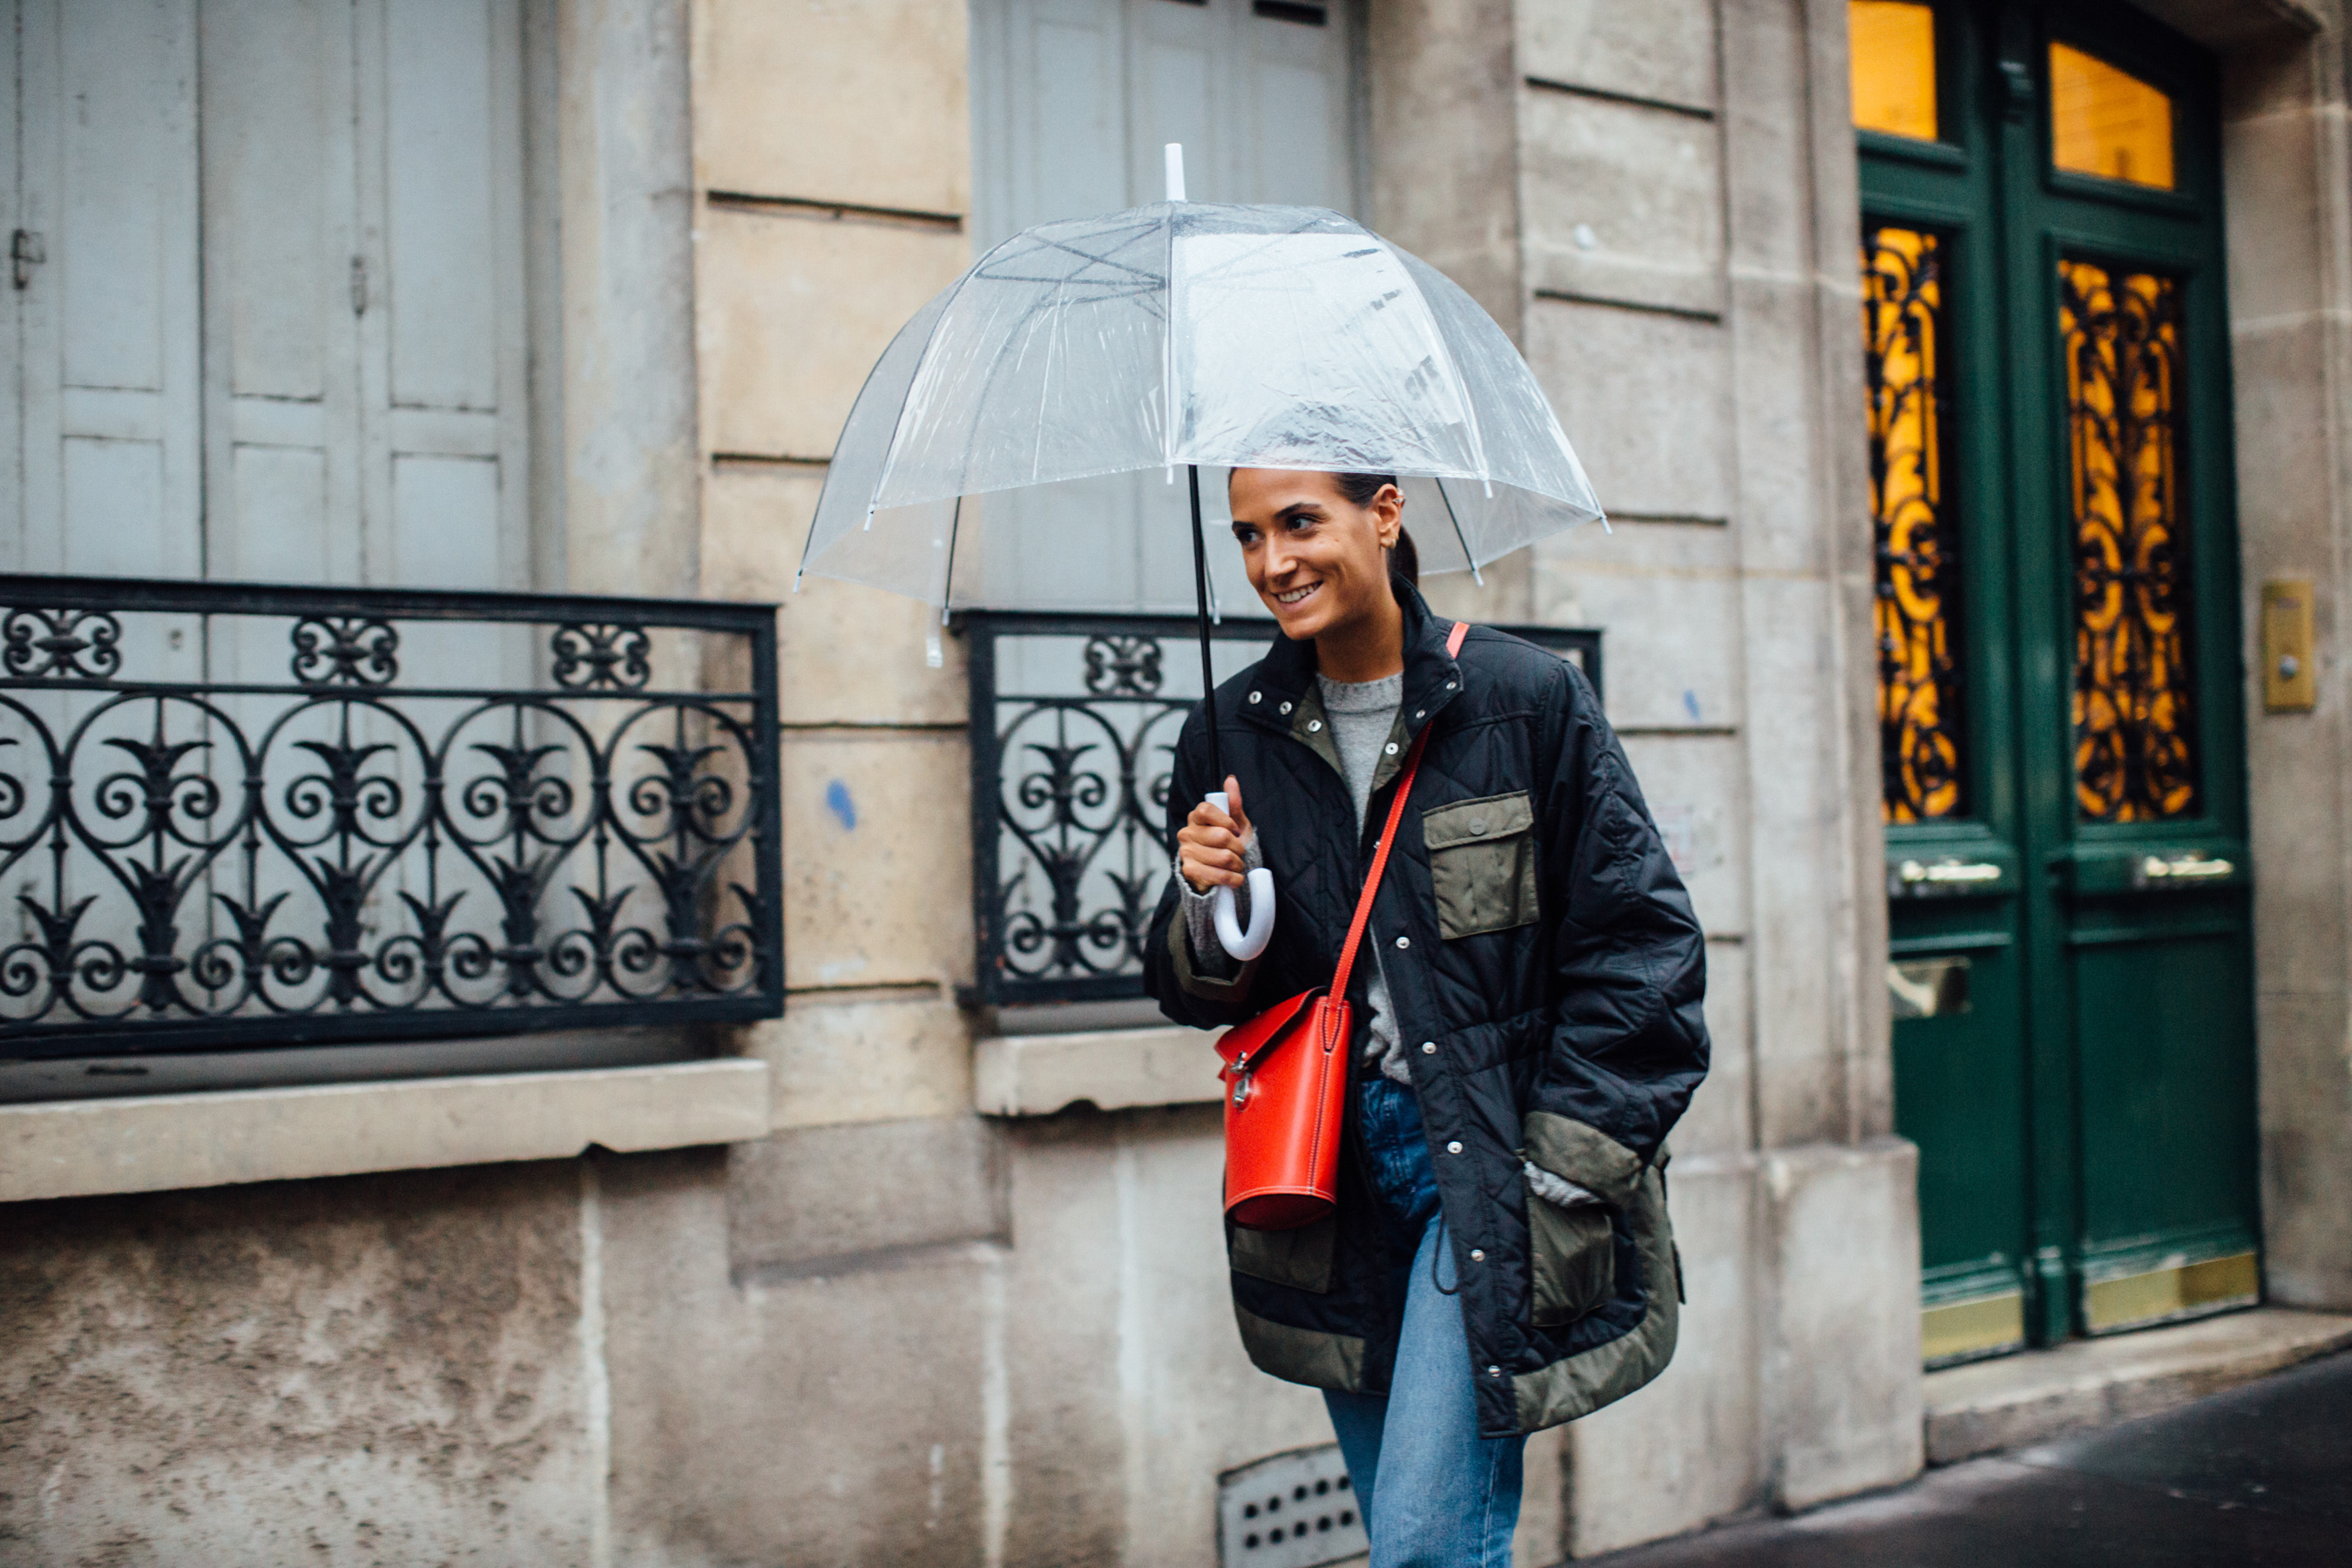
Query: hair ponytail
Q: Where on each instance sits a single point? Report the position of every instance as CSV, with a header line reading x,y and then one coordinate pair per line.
x,y
1404,560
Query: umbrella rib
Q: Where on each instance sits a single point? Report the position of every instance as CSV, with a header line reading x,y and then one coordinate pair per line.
x,y
800,571
1469,404
1134,272
947,578
898,423
1464,540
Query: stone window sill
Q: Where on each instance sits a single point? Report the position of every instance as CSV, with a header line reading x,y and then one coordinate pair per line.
x,y
1111,1069
162,1142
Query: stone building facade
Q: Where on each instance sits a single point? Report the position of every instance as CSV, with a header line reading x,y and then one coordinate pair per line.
x,y
894,1278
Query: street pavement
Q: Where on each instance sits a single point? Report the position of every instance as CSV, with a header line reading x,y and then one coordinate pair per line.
x,y
2259,1477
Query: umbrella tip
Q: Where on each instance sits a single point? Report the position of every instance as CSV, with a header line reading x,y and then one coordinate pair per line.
x,y
1175,153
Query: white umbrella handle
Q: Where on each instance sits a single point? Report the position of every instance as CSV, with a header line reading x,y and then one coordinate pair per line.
x,y
1241,944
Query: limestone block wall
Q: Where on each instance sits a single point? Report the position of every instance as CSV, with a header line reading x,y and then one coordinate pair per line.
x,y
379,1369
2288,174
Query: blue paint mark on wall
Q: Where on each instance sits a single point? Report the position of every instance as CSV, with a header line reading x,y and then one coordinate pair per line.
x,y
837,801
1690,703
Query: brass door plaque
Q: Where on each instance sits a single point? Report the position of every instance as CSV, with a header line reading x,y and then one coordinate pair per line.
x,y
2290,680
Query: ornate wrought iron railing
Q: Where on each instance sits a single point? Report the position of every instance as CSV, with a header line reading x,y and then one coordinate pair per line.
x,y
1073,721
243,815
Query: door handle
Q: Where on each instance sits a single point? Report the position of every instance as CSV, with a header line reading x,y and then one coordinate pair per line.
x,y
2191,867
1948,873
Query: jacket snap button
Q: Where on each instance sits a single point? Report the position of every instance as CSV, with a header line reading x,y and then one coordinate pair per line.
x,y
1476,1255
1405,941
1452,684
1255,695
1391,748
1420,712
1313,725
1477,824
1429,1048
1494,1371
1285,707
1454,1147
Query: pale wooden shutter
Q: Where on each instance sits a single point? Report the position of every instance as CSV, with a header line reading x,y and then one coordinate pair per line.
x,y
365,338
1073,100
109,470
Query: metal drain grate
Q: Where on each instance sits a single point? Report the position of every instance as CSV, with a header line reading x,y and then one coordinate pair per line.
x,y
1290,1511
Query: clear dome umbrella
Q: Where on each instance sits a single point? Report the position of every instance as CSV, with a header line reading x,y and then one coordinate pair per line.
x,y
1185,334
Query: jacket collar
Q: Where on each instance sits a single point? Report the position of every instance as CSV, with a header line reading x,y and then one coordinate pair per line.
x,y
1286,677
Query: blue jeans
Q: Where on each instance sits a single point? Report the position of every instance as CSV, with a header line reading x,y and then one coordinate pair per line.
x,y
1435,1493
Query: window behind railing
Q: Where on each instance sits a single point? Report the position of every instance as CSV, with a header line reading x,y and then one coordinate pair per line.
x,y
242,817
1073,724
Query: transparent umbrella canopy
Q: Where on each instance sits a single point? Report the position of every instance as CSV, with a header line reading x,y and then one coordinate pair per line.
x,y
1185,334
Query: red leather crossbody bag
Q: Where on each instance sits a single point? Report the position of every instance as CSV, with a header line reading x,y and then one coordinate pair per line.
x,y
1286,1070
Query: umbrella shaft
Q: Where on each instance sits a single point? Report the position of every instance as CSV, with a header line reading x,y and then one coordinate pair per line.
x,y
1201,594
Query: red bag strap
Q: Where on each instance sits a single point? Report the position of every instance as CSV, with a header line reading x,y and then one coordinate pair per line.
x,y
1388,835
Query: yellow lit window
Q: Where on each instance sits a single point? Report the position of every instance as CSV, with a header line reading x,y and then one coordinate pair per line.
x,y
2105,122
1893,45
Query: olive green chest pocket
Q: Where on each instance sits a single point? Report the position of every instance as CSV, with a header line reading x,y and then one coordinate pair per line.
x,y
1482,861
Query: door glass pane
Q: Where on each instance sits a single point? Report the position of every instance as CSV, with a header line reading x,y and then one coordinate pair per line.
x,y
1893,49
2105,122
1916,615
2135,697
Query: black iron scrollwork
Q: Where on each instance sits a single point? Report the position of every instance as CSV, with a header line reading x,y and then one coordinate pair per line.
x,y
602,658
66,643
1921,732
2135,700
1071,769
345,650
1123,667
338,857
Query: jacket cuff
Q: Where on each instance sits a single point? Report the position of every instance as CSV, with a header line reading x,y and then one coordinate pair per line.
x,y
1584,1156
1232,992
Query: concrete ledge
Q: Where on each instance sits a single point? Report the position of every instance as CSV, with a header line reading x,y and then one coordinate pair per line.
x,y
1037,1075
161,1142
2041,1395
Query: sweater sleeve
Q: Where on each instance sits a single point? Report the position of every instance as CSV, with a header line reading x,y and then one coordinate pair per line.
x,y
1209,955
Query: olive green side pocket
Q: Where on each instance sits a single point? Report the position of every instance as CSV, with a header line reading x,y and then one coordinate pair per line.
x,y
1482,863
1300,1258
1575,1260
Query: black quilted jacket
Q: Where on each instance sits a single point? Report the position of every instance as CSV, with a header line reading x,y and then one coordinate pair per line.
x,y
1533,933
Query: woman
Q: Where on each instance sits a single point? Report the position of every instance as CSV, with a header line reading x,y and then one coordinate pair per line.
x,y
1499,1260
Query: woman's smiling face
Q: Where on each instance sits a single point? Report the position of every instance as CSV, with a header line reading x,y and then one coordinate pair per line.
x,y
1317,558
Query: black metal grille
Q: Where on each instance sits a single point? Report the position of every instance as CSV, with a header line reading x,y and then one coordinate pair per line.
x,y
1074,722
241,816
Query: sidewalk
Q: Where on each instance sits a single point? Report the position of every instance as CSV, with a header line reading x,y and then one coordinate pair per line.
x,y
2259,1477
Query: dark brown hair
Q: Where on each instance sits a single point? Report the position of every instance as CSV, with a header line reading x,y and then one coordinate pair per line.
x,y
1404,560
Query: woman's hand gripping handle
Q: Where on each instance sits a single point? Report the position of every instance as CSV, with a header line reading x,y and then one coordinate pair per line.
x,y
1210,850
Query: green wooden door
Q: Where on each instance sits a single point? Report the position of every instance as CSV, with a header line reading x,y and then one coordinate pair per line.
x,y
2061,730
